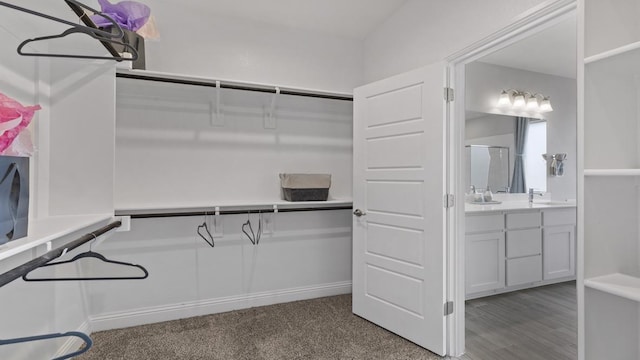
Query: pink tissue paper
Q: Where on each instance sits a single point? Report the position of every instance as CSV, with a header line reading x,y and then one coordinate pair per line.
x,y
14,118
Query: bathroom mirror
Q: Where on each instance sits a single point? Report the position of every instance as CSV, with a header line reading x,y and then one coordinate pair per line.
x,y
491,153
488,166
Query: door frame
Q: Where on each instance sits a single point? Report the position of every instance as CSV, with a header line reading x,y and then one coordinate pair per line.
x,y
541,17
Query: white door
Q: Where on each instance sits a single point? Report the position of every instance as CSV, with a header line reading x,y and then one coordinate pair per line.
x,y
399,247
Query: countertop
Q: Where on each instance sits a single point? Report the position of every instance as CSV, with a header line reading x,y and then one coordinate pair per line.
x,y
470,208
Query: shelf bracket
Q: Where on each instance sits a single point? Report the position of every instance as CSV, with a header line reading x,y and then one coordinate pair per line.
x,y
126,223
217,118
270,120
218,230
269,221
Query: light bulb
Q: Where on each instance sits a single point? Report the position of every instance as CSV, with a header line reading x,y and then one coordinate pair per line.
x,y
505,99
532,104
518,102
545,105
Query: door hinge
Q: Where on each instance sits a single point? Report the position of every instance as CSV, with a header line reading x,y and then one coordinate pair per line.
x,y
449,94
449,201
448,308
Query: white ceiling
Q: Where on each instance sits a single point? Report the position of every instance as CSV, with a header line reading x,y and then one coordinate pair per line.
x,y
346,18
551,51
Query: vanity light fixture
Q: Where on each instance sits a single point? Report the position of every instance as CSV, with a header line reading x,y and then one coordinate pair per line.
x,y
518,101
505,99
524,101
532,104
545,105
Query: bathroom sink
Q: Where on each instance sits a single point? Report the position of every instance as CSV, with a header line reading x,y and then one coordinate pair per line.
x,y
493,202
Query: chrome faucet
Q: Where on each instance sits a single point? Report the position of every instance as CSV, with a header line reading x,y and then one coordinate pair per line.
x,y
531,194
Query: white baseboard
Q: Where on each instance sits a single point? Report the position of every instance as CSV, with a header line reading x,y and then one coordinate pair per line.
x,y
73,343
519,287
212,306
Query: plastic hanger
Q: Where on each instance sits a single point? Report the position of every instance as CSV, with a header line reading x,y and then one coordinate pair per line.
x,y
95,255
77,7
74,30
206,236
105,37
247,227
87,340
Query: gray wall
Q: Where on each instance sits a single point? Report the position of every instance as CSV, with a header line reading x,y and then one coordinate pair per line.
x,y
424,32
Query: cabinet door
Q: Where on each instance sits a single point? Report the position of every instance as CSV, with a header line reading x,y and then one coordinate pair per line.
x,y
559,252
485,262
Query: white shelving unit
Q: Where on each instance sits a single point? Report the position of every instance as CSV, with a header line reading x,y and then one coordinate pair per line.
x,y
612,172
610,296
183,145
612,53
71,171
617,284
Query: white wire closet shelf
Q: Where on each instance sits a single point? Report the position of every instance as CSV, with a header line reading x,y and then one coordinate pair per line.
x,y
618,284
612,53
622,61
231,84
50,229
222,206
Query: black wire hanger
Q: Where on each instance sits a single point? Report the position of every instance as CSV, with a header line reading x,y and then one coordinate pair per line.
x,y
105,37
94,255
204,233
87,342
131,49
247,227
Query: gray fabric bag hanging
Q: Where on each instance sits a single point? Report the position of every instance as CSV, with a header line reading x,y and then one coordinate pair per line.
x,y
14,198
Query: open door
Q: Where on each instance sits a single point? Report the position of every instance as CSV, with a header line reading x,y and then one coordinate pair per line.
x,y
399,234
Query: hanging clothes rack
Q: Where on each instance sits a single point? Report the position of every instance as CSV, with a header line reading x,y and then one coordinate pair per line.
x,y
24,269
195,81
136,215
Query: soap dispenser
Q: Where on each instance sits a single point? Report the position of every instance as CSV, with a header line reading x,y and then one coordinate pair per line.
x,y
488,195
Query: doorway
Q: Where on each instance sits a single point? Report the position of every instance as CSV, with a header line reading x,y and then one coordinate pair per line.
x,y
513,136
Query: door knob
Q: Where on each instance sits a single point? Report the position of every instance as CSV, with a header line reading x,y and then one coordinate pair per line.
x,y
359,213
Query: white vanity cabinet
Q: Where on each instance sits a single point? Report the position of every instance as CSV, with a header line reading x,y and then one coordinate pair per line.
x,y
518,248
559,243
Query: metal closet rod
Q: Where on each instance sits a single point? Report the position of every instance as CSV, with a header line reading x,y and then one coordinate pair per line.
x,y
263,89
227,212
23,269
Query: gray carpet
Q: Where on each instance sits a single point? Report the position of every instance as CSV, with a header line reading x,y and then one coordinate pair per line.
x,y
314,329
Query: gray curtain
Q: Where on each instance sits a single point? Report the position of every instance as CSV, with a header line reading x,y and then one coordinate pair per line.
x,y
518,184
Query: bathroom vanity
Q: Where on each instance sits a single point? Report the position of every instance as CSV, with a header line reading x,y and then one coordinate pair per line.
x,y
517,245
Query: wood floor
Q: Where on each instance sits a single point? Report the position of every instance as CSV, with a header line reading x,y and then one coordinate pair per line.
x,y
533,324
